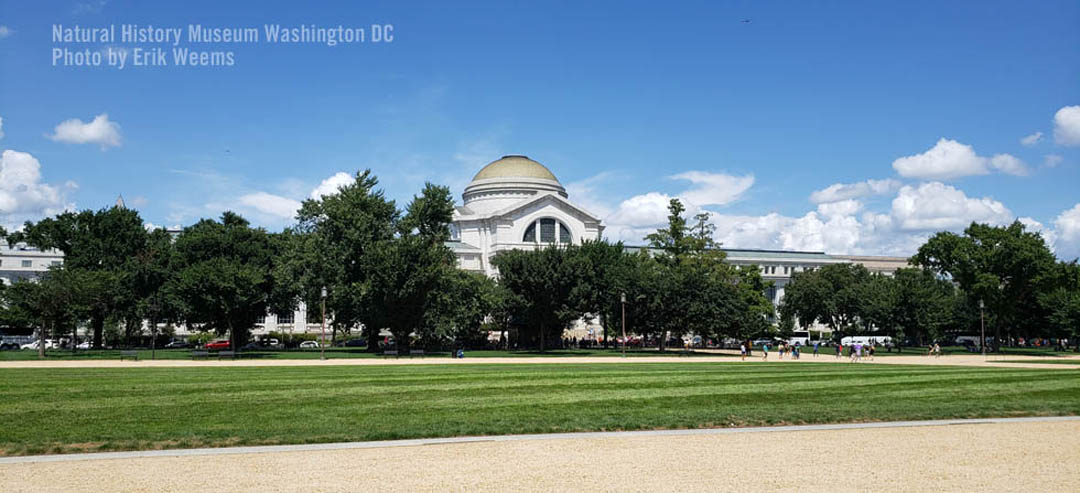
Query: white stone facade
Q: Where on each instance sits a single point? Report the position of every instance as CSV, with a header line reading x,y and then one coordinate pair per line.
x,y
516,203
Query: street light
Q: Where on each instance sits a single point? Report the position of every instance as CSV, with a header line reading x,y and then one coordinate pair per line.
x,y
322,343
982,324
623,299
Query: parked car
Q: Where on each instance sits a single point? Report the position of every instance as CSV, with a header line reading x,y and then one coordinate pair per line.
x,y
309,345
355,343
49,344
83,345
178,345
218,345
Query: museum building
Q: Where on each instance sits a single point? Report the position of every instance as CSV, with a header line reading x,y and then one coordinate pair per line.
x,y
512,203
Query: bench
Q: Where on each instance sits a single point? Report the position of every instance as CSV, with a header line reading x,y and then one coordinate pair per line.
x,y
390,352
200,354
130,354
416,352
686,352
227,354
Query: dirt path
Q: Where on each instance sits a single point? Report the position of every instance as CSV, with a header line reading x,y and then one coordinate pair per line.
x,y
1039,456
721,357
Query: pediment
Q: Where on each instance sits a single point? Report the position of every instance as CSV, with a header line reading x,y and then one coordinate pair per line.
x,y
542,200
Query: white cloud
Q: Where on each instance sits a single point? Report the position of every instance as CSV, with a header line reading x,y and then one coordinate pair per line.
x,y
713,188
640,215
936,206
636,214
6,31
1048,234
1008,164
844,191
950,159
270,204
841,227
1067,228
331,185
1032,139
1052,160
1067,126
840,208
98,131
22,195
947,159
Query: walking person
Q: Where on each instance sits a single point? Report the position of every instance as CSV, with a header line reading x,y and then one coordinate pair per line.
x,y
742,349
839,350
816,344
764,351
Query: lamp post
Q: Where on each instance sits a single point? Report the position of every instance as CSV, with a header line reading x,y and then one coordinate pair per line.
x,y
623,299
322,343
153,327
982,325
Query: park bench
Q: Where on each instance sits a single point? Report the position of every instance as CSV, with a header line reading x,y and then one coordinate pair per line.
x,y
390,352
227,354
200,354
416,352
130,354
686,352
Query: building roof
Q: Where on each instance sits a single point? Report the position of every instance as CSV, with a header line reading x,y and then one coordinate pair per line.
x,y
461,247
515,166
749,253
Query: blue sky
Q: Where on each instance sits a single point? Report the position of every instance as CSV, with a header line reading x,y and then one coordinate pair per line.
x,y
629,104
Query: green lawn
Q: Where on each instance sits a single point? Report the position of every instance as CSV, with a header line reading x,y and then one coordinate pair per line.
x,y
67,410
335,353
1040,361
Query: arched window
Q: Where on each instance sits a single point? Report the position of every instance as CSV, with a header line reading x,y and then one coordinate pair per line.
x,y
551,231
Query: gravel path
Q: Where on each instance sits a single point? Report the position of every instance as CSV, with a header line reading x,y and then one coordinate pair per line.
x,y
1030,456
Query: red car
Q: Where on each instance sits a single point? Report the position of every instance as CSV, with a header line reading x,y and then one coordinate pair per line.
x,y
218,345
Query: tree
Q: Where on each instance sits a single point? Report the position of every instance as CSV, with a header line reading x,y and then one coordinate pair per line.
x,y
224,276
151,272
1006,267
105,242
674,239
603,271
1062,302
331,247
410,270
459,310
833,295
56,303
543,284
924,304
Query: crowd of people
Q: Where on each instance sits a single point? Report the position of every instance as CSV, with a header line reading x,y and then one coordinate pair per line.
x,y
856,352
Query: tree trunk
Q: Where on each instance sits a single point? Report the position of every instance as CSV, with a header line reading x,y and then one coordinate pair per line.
x,y
97,322
372,340
541,338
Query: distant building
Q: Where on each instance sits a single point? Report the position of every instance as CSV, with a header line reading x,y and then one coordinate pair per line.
x,y
21,261
516,203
